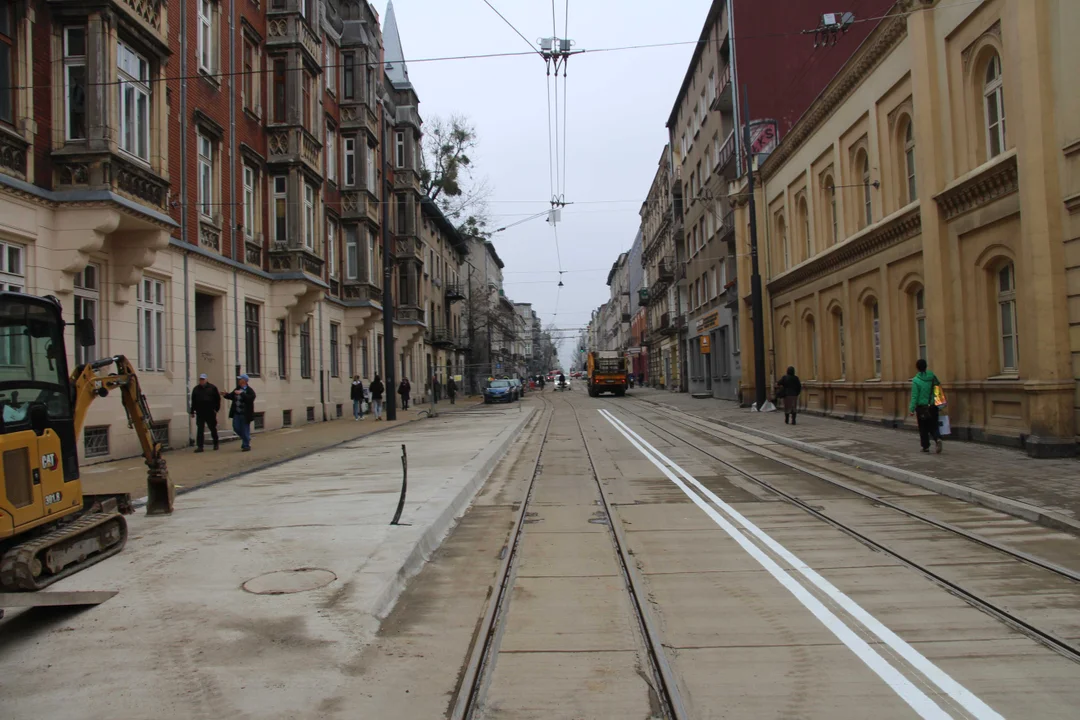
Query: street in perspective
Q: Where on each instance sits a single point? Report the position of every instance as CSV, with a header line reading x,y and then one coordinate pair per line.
x,y
618,363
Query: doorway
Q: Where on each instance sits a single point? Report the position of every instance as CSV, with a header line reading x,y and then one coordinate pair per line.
x,y
209,339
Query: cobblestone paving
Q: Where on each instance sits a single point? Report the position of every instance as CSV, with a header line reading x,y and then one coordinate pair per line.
x,y
1049,484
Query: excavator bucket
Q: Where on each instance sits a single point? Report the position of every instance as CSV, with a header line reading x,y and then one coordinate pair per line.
x,y
160,492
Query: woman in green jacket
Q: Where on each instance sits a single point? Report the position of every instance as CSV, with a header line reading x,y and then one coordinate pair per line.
x,y
922,406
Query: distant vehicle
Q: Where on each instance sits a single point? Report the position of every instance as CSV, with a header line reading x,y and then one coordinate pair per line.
x,y
607,373
515,384
564,385
498,391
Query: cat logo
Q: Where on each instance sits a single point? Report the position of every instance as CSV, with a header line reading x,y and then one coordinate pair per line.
x,y
48,462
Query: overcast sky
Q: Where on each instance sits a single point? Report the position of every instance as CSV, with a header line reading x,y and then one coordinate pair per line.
x,y
617,104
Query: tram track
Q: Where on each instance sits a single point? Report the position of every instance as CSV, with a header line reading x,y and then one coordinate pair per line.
x,y
1063,646
480,666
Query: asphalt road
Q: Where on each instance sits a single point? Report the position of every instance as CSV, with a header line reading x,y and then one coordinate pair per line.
x,y
773,585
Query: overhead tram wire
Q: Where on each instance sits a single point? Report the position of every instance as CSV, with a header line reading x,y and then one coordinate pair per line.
x,y
512,27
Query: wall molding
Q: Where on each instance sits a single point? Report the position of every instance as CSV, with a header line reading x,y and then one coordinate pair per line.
x,y
975,190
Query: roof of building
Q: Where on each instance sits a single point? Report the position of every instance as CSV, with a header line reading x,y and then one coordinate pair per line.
x,y
394,57
619,262
494,255
432,210
703,42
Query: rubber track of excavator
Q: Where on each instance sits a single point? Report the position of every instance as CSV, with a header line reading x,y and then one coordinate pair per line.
x,y
15,566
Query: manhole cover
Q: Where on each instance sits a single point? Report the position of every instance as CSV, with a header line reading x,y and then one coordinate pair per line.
x,y
285,582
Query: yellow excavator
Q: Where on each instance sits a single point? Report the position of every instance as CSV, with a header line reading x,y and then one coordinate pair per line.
x,y
49,528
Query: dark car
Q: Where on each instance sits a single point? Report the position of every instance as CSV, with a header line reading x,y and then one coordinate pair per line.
x,y
499,391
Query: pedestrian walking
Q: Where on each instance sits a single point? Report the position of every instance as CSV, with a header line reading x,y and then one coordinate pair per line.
x,y
923,407
356,393
376,389
205,403
451,389
542,381
404,390
242,411
788,389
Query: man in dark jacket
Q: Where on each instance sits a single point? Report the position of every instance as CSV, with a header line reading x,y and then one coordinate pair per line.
x,y
788,389
242,411
356,394
376,388
205,403
451,389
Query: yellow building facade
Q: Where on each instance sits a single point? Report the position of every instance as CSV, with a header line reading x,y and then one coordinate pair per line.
x,y
928,205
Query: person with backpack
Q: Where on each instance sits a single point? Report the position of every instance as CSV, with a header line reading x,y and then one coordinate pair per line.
x,y
923,407
404,390
377,389
356,394
788,389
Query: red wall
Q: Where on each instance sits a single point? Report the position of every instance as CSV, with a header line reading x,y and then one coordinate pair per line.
x,y
783,69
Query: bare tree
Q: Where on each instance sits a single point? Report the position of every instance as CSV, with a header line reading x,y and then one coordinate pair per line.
x,y
447,174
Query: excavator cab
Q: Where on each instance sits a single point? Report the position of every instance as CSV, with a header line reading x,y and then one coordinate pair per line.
x,y
48,527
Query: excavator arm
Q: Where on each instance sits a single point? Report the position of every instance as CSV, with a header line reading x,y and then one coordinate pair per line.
x,y
88,385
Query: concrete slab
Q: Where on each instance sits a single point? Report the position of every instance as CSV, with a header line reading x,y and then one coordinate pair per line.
x,y
193,644
565,490
583,686
585,554
567,519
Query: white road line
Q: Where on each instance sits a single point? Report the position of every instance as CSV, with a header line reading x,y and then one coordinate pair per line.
x,y
911,694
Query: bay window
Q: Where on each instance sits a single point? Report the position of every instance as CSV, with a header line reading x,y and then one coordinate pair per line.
x,y
331,153
133,72
331,247
309,216
350,162
352,253
280,183
75,83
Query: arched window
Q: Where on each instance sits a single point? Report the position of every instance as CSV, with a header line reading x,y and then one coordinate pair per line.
x,y
839,323
909,161
785,248
863,166
920,324
834,223
810,351
804,216
875,338
1009,349
994,101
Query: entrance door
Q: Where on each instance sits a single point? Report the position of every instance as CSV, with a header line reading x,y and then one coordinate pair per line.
x,y
209,341
667,370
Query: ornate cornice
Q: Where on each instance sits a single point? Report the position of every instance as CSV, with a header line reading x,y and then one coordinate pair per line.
x,y
892,232
880,43
980,189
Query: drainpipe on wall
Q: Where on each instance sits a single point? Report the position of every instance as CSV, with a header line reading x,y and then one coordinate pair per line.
x,y
232,178
183,214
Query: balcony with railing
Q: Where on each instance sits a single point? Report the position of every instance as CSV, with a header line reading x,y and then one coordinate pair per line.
x,y
455,291
291,30
665,270
441,337
362,290
409,313
358,115
666,326
723,99
295,144
359,205
731,294
727,153
726,232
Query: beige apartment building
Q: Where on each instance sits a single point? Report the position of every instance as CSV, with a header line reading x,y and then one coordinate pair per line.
x,y
702,137
662,267
928,205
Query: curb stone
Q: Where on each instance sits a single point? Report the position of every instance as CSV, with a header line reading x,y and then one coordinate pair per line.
x,y
1016,508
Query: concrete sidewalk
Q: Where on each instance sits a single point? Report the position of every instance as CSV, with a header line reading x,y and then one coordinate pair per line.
x,y
184,638
1043,491
189,469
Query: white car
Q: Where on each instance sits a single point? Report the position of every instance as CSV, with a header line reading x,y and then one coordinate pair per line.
x,y
564,385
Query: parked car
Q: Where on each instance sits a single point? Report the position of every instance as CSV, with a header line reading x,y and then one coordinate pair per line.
x,y
499,391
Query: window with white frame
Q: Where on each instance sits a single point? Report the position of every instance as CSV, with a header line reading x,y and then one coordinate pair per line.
x,y
834,221
251,79
920,324
150,304
133,72
785,248
1008,341
309,216
369,268
349,144
206,176
283,349
253,338
909,160
331,247
87,302
840,342
305,349
206,39
331,153
994,101
330,51
710,88
352,253
249,202
864,168
12,267
348,75
75,83
399,149
335,350
369,167
280,183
